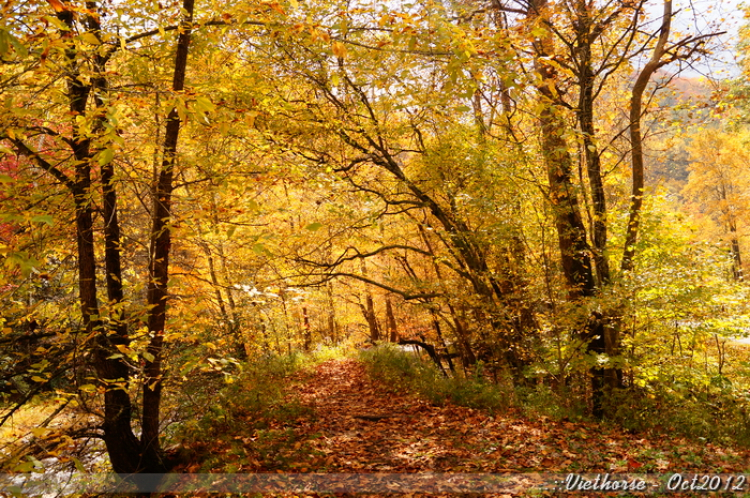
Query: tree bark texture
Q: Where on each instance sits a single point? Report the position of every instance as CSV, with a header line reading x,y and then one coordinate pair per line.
x,y
157,293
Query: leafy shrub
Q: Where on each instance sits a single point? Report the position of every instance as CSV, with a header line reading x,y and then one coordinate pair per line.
x,y
222,410
720,417
401,369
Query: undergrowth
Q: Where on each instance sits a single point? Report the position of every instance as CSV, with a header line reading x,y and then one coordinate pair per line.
x,y
400,369
719,415
244,418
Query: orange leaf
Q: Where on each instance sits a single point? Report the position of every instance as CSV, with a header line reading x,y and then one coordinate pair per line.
x,y
634,464
57,5
339,49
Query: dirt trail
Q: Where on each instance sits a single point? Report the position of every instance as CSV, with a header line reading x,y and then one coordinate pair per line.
x,y
361,425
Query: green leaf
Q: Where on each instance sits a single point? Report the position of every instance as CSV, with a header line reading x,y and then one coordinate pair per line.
x,y
147,356
105,156
43,218
313,227
204,105
7,40
4,42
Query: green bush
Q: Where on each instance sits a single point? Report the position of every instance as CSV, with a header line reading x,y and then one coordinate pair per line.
x,y
721,417
402,370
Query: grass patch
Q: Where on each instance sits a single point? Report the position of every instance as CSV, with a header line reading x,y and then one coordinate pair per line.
x,y
723,416
402,370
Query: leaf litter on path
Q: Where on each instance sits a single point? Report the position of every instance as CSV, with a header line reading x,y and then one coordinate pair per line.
x,y
361,426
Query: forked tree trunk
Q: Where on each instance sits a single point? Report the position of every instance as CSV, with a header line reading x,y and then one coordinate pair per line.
x,y
571,231
122,446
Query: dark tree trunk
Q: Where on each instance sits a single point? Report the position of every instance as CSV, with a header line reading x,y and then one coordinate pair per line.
x,y
571,232
439,333
390,321
586,34
306,330
160,250
595,334
430,349
332,326
368,309
122,446
591,153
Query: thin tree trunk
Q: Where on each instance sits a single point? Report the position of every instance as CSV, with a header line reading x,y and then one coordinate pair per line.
x,y
230,324
585,113
736,257
368,309
332,325
306,330
160,250
390,321
439,333
636,138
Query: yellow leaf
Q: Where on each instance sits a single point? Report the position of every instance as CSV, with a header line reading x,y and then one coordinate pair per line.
x,y
90,38
124,349
339,49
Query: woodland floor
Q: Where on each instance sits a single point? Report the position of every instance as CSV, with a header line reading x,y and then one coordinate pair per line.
x,y
351,423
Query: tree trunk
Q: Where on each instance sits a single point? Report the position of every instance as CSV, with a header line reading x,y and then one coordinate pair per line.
x,y
332,325
585,113
736,257
571,231
636,138
368,309
160,249
122,446
306,330
390,321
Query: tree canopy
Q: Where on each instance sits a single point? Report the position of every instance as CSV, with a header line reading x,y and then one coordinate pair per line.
x,y
187,187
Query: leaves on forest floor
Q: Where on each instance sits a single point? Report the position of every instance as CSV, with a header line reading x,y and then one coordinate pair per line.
x,y
361,425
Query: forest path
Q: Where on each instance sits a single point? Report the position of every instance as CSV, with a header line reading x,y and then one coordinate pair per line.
x,y
359,425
